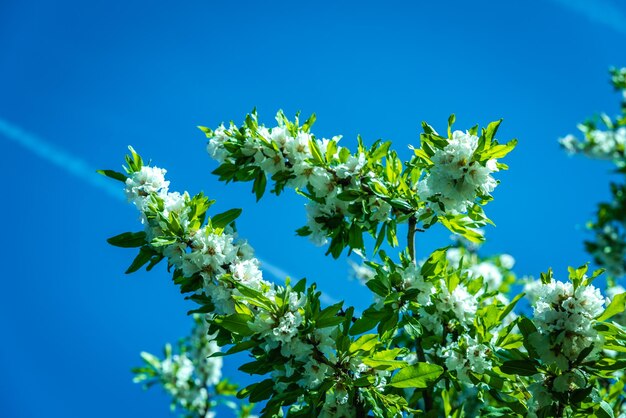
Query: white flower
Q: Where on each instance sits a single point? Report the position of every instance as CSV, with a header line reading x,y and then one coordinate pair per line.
x,y
454,256
318,235
431,322
613,291
507,261
564,318
466,355
215,147
297,349
314,374
210,251
221,297
492,277
455,180
321,181
279,135
412,279
287,326
352,166
248,273
298,149
460,302
144,182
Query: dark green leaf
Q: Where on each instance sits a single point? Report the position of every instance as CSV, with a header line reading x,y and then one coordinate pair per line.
x,y
128,239
224,219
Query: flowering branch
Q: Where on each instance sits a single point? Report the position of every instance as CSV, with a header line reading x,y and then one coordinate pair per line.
x,y
446,335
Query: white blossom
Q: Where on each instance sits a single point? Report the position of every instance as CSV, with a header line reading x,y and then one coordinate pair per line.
x,y
144,182
564,317
492,277
455,180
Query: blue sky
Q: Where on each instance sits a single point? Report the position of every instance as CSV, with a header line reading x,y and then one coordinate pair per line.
x,y
79,81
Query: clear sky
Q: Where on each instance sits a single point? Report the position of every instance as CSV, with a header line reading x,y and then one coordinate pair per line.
x,y
79,81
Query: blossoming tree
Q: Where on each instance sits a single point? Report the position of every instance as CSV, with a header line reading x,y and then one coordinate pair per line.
x,y
441,337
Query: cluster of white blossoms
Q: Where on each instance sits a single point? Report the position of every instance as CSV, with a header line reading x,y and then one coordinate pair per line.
x,y
203,346
492,270
564,318
456,179
448,309
466,355
189,375
177,377
204,251
217,255
412,279
281,154
600,144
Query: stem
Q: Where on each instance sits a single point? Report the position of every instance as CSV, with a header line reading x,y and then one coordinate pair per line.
x,y
426,393
410,238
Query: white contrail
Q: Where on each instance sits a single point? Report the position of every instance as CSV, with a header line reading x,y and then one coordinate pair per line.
x,y
281,274
60,158
604,12
79,168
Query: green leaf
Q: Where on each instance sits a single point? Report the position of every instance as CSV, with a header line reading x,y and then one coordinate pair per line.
x,y
223,219
306,127
331,150
113,174
435,263
262,391
136,162
207,131
316,151
381,237
413,327
381,151
604,410
518,367
384,364
510,306
617,305
128,239
349,195
498,151
490,132
260,182
365,343
370,318
355,237
145,253
419,375
385,360
422,155
457,225
236,323
328,317
451,120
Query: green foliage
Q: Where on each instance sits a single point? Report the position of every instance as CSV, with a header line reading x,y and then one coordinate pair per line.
x,y
441,337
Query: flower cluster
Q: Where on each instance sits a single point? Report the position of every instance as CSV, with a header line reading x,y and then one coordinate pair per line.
x,y
370,190
446,339
495,272
564,316
466,355
190,377
456,178
605,140
294,158
221,270
600,144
